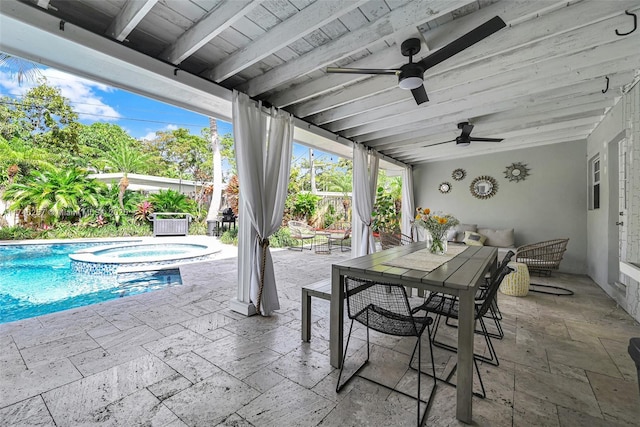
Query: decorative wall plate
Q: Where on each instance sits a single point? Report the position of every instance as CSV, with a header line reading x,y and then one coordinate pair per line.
x,y
459,174
445,187
516,172
483,187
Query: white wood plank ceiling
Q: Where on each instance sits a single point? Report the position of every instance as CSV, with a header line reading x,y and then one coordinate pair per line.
x,y
547,78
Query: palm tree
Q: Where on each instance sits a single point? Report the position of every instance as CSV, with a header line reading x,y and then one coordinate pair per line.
x,y
19,157
170,201
16,153
216,196
23,69
342,182
54,194
127,160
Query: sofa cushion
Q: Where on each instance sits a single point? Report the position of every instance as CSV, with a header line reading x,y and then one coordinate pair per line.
x,y
459,232
502,238
471,238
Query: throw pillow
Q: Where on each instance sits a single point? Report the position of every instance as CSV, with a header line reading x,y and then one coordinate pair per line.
x,y
471,238
451,235
461,228
502,238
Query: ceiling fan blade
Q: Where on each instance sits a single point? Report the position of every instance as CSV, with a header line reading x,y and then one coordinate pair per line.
x,y
466,131
420,94
361,70
438,143
473,138
460,44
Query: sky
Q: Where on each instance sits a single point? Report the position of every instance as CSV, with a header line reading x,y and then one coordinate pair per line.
x,y
141,117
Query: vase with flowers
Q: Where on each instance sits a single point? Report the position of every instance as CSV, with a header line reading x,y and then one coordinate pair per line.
x,y
437,224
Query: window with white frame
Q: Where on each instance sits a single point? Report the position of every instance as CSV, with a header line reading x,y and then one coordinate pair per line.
x,y
594,182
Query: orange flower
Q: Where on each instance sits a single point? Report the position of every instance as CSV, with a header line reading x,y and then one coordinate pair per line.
x,y
442,220
427,211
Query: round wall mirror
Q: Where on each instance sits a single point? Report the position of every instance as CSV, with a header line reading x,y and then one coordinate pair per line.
x,y
483,187
516,172
445,187
459,174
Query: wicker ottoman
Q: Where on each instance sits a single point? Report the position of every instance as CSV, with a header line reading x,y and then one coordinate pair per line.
x,y
517,282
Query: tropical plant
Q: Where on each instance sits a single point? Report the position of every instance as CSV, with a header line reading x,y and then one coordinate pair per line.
x,y
171,201
109,205
54,195
123,158
385,216
232,192
305,204
143,211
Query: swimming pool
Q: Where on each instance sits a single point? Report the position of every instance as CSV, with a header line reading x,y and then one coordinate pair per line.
x,y
139,256
37,279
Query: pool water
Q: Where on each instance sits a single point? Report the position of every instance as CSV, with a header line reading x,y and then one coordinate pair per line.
x,y
158,250
37,280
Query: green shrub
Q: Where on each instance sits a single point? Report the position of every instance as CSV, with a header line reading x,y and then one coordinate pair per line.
x,y
17,233
305,204
230,237
281,238
198,228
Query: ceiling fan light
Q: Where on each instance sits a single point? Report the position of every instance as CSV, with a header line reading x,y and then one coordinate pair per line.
x,y
410,83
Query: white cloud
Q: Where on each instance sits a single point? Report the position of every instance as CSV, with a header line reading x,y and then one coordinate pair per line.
x,y
82,93
151,135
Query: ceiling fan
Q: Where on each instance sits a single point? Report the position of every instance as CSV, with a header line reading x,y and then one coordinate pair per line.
x,y
411,75
465,137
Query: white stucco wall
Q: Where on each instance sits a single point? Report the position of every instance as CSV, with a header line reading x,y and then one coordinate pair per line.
x,y
549,204
622,123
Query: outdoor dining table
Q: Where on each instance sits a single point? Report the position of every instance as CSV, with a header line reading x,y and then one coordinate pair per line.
x,y
460,276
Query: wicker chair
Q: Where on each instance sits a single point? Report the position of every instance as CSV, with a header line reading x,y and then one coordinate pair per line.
x,y
391,240
542,257
302,231
339,232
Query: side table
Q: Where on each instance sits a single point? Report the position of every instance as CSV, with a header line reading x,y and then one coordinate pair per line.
x,y
321,242
517,282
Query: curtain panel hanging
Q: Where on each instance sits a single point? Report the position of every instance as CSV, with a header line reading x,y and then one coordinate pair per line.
x,y
408,208
365,179
263,144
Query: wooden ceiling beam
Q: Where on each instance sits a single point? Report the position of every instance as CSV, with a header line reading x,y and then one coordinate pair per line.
x,y
208,27
391,57
493,125
383,91
297,26
470,112
129,17
555,74
412,13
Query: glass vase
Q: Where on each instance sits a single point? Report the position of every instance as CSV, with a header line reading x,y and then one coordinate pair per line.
x,y
438,245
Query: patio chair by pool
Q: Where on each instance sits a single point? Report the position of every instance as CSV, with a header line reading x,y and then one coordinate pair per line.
x,y
302,231
339,232
542,257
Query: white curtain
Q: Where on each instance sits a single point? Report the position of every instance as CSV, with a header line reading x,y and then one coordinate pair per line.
x,y
365,179
408,210
263,146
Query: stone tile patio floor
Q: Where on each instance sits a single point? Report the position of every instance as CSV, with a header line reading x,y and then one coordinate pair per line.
x,y
180,357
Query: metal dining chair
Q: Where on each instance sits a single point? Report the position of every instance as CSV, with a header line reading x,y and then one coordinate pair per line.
x,y
385,308
448,307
